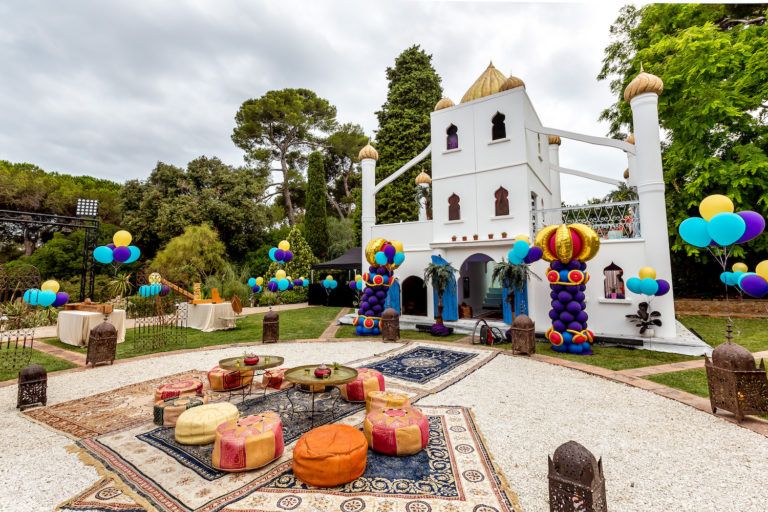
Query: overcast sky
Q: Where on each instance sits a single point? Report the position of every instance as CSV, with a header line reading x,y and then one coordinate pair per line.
x,y
108,89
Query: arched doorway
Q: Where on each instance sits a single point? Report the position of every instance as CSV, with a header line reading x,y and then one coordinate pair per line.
x,y
476,292
414,296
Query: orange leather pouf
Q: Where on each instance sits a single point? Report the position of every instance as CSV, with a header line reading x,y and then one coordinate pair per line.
x,y
330,455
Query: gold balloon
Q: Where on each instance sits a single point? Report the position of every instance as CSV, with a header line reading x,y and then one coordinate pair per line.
x,y
563,244
289,278
397,244
590,242
284,246
50,286
714,204
259,281
122,238
372,248
542,242
762,269
154,278
358,277
280,274
647,273
523,237
329,277
740,267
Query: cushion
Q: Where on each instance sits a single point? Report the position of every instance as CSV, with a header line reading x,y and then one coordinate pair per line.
x,y
274,379
330,455
222,380
198,424
397,431
178,388
378,400
248,443
367,380
167,411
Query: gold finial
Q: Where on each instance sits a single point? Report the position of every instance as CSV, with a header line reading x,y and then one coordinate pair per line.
x,y
488,83
423,178
554,139
445,102
630,139
643,83
368,152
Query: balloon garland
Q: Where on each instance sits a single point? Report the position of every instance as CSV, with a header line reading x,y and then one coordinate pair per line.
x,y
47,295
384,257
567,248
118,252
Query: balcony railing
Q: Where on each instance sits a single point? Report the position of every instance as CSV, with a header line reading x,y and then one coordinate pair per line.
x,y
610,220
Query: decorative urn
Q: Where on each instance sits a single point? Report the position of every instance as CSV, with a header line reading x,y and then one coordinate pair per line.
x,y
322,370
251,359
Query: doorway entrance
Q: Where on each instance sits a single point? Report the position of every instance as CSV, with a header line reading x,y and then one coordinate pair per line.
x,y
478,298
414,296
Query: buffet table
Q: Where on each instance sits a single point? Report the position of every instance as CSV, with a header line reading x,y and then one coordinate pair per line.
x,y
73,327
210,317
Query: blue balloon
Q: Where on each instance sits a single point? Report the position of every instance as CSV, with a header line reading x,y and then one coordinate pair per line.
x,y
144,290
724,277
513,259
306,282
586,346
135,254
274,279
154,289
31,297
381,258
694,231
359,285
567,337
574,348
46,298
252,282
633,284
725,228
283,284
735,278
272,253
649,286
334,284
399,258
564,276
326,283
520,249
103,254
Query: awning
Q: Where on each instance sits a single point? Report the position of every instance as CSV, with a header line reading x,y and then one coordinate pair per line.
x,y
350,260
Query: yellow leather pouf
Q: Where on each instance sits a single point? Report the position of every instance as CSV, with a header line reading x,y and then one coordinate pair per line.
x,y
378,400
198,425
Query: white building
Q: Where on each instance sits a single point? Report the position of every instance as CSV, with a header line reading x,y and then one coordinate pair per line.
x,y
495,169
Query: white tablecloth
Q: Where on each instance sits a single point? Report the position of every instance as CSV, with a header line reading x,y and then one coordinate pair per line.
x,y
73,327
210,317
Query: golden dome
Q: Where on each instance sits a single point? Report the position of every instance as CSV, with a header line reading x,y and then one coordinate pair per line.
x,y
368,152
490,82
626,173
444,103
630,139
642,83
423,178
554,139
511,83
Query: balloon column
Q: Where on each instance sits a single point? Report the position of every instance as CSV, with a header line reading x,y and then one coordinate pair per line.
x,y
647,284
384,257
118,252
282,253
47,295
567,248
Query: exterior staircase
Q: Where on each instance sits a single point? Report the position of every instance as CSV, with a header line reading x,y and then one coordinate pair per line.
x,y
493,299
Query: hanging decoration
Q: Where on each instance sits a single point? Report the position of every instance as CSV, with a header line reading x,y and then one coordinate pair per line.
x,y
384,257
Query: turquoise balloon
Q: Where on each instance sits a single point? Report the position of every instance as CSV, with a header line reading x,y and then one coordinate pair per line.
x,y
381,258
46,298
735,278
633,283
694,231
649,286
31,296
144,290
154,289
135,253
103,254
520,249
306,282
359,285
725,228
513,259
252,282
283,284
399,258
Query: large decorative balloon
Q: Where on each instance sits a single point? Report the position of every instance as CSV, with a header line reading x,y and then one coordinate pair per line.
x,y
647,273
664,287
694,231
135,254
739,267
755,225
50,285
284,245
725,228
272,252
756,286
287,256
713,205
61,299
633,284
280,274
122,238
649,286
31,296
103,254
121,254
521,249
762,269
46,298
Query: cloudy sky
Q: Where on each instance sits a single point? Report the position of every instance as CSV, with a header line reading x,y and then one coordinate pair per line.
x,y
109,88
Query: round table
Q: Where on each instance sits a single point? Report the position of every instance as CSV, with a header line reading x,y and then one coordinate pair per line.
x,y
300,377
236,364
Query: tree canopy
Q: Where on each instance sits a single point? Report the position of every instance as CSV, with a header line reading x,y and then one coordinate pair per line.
x,y
315,219
198,248
342,168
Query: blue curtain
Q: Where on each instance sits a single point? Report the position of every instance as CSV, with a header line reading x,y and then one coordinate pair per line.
x,y
393,296
521,303
450,299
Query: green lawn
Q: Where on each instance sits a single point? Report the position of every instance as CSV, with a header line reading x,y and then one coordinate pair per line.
x,y
692,381
615,358
748,332
305,323
348,331
50,363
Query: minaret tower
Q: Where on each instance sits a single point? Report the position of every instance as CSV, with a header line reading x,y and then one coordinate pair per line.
x,y
368,157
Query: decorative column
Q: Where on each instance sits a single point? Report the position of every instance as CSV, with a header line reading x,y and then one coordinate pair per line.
x,y
368,157
642,93
423,181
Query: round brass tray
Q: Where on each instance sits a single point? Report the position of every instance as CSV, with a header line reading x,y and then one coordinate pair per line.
x,y
343,375
230,363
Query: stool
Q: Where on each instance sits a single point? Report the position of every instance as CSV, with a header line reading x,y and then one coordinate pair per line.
x,y
397,431
367,380
330,455
167,411
379,400
274,379
198,424
223,380
179,388
248,443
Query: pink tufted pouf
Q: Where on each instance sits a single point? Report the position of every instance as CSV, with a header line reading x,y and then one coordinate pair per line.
x,y
367,380
397,431
248,443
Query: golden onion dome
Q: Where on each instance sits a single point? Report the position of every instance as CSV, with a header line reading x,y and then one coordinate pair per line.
x,y
630,139
423,179
643,83
444,103
511,83
490,82
554,139
626,173
368,152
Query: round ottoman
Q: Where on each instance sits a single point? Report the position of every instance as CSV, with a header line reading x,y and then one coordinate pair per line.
x,y
274,379
397,431
367,380
168,411
198,424
379,400
330,455
223,380
179,388
248,443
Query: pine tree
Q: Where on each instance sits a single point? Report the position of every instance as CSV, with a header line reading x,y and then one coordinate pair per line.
x,y
315,218
302,261
404,131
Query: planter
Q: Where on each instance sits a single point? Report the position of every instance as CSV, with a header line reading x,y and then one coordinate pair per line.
x,y
474,237
490,236
503,235
463,239
453,238
648,333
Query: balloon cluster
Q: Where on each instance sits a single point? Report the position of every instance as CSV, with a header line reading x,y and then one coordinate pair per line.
x,y
329,283
718,225
282,253
119,250
357,284
154,287
254,283
384,257
280,282
522,252
752,283
647,284
47,295
567,248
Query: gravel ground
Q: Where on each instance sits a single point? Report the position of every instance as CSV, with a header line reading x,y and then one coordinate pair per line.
x,y
657,454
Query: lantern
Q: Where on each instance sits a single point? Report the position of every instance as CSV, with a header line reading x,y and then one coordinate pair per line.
x,y
102,344
735,382
270,327
522,335
390,325
576,480
33,387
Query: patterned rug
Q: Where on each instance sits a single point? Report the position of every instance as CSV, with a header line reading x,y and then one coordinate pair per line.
x,y
454,473
421,364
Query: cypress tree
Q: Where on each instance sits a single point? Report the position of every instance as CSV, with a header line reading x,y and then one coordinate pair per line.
x,y
404,131
315,219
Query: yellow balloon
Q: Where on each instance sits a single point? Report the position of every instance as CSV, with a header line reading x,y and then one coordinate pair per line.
x,y
154,278
740,267
301,279
280,274
523,237
358,277
647,273
289,278
762,269
715,204
329,277
259,281
50,286
122,238
284,246
397,244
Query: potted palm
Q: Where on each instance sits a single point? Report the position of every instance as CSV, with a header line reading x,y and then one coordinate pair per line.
x,y
441,276
513,277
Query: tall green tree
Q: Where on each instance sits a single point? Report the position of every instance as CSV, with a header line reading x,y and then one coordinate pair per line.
x,y
281,126
198,248
713,60
316,215
342,168
404,131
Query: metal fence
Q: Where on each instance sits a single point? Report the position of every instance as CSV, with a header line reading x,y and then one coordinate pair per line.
x,y
610,220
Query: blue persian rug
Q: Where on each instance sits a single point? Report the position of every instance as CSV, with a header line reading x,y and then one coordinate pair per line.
x,y
421,364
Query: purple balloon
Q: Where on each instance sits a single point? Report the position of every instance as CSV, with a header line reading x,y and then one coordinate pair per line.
x,y
755,225
377,308
754,286
575,326
165,290
287,256
558,325
352,284
579,296
272,286
121,253
381,271
557,287
61,299
582,317
111,246
553,294
566,317
556,265
573,307
553,314
280,255
390,251
369,291
663,287
381,294
373,300
557,305
564,296
573,265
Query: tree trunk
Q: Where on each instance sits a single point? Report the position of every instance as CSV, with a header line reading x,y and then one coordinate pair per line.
x,y
29,246
335,205
439,317
287,192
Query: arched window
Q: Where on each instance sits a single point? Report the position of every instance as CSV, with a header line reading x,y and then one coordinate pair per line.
x,y
454,209
452,141
499,130
502,201
614,281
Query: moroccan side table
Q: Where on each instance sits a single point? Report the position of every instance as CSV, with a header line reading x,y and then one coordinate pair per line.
x,y
247,373
304,377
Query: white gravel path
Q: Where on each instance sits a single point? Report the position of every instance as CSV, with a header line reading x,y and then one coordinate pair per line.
x,y
657,454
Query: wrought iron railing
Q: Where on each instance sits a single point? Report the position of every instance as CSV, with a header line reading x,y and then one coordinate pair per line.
x,y
609,220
